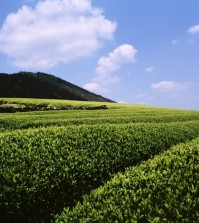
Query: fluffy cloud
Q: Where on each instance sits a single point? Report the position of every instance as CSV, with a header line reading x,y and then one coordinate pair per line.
x,y
54,31
169,86
94,87
121,55
107,65
193,29
149,69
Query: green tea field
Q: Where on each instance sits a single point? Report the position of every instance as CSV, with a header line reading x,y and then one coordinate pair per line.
x,y
71,161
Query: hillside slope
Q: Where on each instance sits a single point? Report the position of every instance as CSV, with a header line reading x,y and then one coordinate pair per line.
x,y
41,85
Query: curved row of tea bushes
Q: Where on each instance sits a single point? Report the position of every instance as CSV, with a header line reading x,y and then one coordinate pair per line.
x,y
44,170
110,116
164,189
109,119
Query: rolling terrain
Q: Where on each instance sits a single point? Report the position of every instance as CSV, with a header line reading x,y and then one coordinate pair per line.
x,y
126,163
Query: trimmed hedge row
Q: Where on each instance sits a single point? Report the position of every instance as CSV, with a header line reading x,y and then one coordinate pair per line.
x,y
164,189
44,170
110,116
13,108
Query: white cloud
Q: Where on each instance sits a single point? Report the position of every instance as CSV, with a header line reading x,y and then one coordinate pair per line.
x,y
169,86
121,55
94,87
107,65
149,69
193,29
54,31
100,83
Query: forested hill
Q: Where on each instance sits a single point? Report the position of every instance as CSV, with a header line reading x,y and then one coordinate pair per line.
x,y
41,85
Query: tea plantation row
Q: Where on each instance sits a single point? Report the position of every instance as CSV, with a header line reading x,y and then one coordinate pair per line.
x,y
46,169
114,115
164,189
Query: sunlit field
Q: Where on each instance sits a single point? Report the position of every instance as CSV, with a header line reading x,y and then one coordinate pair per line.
x,y
74,161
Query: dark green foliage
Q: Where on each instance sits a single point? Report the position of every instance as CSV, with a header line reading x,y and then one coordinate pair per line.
x,y
164,190
13,108
44,170
41,85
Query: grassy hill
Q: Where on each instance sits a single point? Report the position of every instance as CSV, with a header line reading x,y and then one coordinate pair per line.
x,y
41,85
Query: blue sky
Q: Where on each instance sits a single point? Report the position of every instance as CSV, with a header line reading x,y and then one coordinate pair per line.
x,y
134,51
